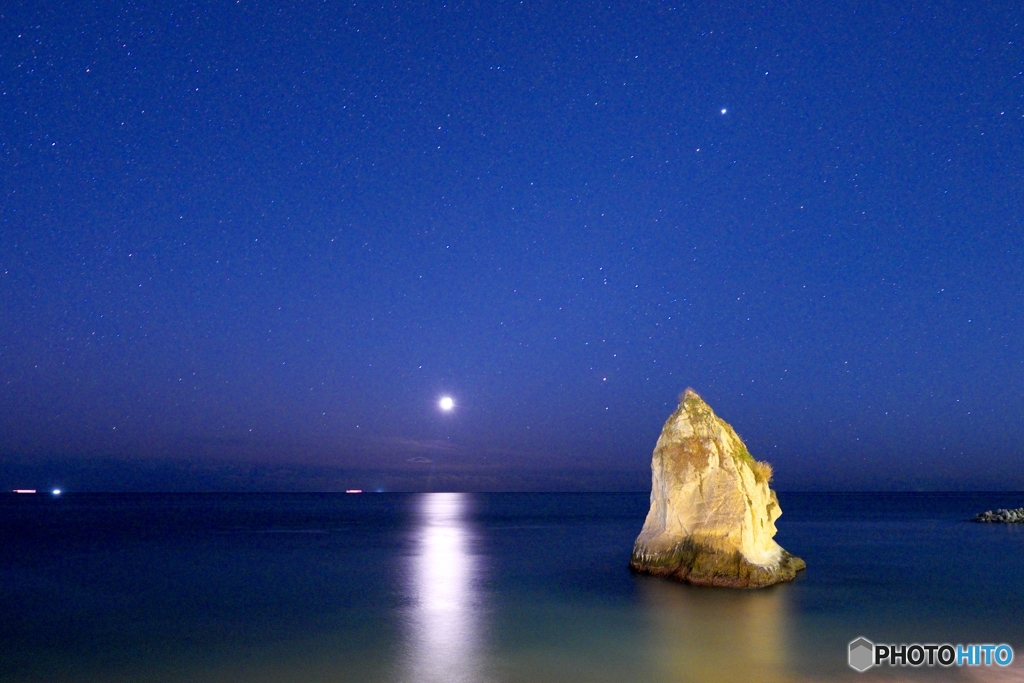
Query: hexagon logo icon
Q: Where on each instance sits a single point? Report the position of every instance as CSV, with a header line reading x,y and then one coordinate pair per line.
x,y
862,654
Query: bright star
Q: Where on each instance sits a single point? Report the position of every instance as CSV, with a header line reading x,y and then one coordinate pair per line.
x,y
724,110
446,403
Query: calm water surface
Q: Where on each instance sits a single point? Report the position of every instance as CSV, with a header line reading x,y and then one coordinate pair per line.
x,y
481,587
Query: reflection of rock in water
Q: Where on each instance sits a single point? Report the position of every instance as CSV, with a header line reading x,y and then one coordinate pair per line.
x,y
444,639
710,635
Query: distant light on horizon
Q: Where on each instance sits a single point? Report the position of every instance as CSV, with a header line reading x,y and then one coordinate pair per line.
x,y
56,492
446,403
353,490
24,490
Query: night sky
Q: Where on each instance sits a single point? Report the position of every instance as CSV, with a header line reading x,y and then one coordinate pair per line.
x,y
249,246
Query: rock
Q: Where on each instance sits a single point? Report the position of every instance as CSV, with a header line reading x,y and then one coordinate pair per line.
x,y
712,516
1001,516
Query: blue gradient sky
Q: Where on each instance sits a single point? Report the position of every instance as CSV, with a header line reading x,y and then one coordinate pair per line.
x,y
250,246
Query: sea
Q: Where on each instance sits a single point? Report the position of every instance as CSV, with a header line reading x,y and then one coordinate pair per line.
x,y
470,587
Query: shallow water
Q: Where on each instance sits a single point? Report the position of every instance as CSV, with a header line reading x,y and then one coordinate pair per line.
x,y
481,587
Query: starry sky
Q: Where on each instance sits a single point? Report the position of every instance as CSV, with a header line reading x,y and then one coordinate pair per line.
x,y
249,246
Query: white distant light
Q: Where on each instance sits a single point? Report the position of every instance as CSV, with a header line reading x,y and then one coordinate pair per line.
x,y
56,492
446,403
724,110
24,490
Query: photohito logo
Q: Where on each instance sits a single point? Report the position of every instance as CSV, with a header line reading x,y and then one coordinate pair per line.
x,y
863,654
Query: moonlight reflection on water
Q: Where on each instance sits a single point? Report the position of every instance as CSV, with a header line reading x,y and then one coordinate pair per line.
x,y
444,629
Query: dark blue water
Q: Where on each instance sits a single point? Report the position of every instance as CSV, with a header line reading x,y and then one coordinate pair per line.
x,y
480,587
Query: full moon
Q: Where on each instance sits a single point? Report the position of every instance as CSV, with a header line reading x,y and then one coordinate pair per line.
x,y
447,403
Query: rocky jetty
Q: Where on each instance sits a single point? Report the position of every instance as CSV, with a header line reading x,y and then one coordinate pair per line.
x,y
712,516
1001,515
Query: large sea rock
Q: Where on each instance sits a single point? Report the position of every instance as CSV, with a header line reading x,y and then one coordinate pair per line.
x,y
712,517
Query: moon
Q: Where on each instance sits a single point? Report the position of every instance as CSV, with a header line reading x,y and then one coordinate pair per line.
x,y
446,403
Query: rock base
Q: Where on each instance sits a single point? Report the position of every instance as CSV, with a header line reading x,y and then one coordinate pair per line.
x,y
701,565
